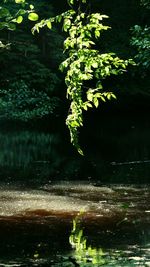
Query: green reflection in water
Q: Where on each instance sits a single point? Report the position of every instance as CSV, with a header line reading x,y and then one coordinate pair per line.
x,y
86,256
23,148
24,154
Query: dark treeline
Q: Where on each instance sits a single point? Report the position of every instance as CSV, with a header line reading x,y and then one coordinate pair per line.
x,y
32,89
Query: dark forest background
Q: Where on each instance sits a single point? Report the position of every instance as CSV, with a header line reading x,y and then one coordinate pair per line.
x,y
33,103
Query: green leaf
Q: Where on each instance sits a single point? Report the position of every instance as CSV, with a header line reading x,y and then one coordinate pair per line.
x,y
59,18
71,2
102,98
107,70
113,96
67,24
95,65
85,107
20,1
31,7
11,26
19,19
109,96
89,104
99,85
49,25
90,97
33,16
80,151
21,12
97,33
96,102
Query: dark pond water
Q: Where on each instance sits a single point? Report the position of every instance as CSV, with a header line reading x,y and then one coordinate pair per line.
x,y
117,150
40,194
35,224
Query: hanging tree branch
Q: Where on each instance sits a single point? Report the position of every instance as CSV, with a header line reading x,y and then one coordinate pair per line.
x,y
84,63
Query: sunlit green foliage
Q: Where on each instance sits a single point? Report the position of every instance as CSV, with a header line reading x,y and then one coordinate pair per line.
x,y
9,19
84,64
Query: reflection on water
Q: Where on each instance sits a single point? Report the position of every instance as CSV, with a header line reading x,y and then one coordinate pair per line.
x,y
41,156
24,147
35,224
37,156
29,155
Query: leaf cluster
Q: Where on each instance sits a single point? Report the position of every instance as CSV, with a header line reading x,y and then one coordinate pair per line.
x,y
23,103
141,41
145,3
84,63
9,19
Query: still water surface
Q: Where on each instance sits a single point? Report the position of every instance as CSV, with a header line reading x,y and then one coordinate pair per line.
x,y
35,223
37,208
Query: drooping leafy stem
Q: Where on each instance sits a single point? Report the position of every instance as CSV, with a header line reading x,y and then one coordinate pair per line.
x,y
84,63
